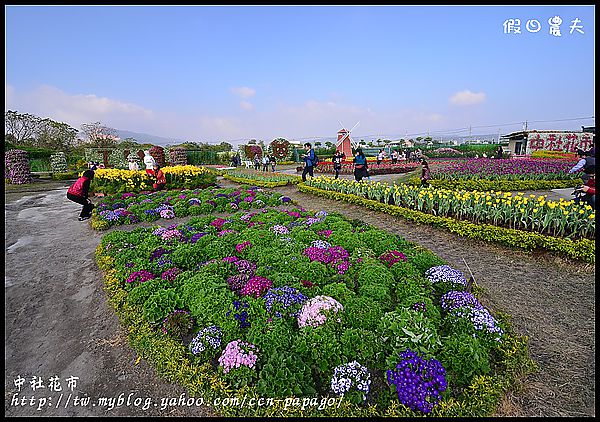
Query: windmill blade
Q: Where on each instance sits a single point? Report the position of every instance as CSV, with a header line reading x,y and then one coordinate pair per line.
x,y
342,139
354,127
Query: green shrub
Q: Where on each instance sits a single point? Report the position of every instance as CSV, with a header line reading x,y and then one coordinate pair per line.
x,y
139,294
160,304
463,356
285,374
362,312
406,328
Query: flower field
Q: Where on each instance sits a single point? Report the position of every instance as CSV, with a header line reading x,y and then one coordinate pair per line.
x,y
262,178
563,219
503,169
130,208
110,181
374,168
291,303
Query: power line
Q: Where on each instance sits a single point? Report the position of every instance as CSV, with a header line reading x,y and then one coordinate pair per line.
x,y
442,132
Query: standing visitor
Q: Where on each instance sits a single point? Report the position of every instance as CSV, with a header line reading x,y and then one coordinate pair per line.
x,y
360,165
273,162
256,162
586,163
425,174
394,156
265,163
309,159
337,159
150,163
133,165
380,156
499,152
78,192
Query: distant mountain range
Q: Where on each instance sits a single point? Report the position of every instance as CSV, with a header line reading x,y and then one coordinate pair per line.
x,y
144,138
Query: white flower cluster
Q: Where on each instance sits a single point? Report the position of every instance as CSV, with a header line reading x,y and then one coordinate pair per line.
x,y
58,162
350,375
446,274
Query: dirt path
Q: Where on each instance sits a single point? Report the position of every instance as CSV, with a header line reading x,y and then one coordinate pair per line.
x,y
57,322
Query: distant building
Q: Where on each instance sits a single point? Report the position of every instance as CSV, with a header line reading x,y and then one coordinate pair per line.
x,y
526,141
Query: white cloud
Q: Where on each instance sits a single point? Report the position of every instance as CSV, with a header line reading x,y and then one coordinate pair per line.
x,y
243,91
467,97
50,102
311,119
246,105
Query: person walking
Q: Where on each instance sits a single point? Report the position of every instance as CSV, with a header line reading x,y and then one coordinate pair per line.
x,y
265,163
425,174
78,192
309,160
360,165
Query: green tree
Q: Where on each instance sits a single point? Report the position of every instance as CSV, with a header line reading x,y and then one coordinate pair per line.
x,y
22,127
55,135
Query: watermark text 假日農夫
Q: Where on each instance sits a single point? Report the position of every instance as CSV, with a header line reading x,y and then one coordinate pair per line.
x,y
513,26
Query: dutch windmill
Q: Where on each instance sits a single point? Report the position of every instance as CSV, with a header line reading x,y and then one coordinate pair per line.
x,y
344,142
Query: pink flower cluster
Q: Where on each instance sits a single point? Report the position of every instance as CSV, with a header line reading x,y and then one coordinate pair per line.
x,y
236,354
170,274
336,256
247,217
218,223
313,311
241,246
170,234
140,276
167,214
325,233
256,286
224,232
391,257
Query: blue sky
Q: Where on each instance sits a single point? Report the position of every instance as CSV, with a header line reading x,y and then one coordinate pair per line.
x,y
234,73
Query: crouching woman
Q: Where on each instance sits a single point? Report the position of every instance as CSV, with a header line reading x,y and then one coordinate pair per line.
x,y
78,192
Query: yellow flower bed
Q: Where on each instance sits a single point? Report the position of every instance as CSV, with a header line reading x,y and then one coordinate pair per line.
x,y
111,181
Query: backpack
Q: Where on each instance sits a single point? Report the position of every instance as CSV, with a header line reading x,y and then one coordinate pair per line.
x,y
315,161
590,163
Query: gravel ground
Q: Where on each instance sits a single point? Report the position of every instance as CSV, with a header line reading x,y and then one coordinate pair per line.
x,y
57,322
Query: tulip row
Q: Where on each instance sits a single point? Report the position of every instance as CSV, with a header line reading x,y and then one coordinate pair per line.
x,y
578,250
563,219
494,169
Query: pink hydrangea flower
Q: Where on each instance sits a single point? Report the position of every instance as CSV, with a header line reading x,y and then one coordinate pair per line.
x,y
238,353
313,312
